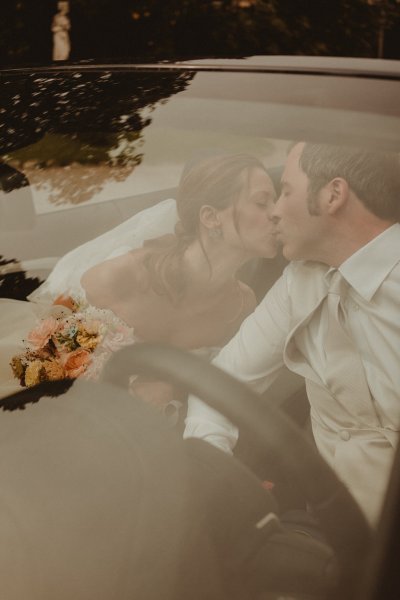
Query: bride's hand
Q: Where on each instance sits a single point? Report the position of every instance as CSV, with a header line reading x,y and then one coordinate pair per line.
x,y
157,393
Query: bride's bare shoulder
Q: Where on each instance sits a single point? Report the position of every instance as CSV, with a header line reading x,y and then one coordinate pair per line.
x,y
124,272
135,264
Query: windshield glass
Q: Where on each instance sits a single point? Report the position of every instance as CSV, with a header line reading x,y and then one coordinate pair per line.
x,y
251,212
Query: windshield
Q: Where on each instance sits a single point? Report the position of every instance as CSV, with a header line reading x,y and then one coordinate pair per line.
x,y
247,217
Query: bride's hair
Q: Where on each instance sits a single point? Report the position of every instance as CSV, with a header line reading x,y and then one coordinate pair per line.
x,y
215,181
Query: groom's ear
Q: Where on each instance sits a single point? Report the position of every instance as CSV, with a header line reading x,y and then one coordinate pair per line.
x,y
336,196
209,217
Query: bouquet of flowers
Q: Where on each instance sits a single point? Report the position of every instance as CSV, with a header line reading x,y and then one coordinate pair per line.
x,y
70,345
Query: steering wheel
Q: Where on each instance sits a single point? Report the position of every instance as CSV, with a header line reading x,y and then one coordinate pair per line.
x,y
340,517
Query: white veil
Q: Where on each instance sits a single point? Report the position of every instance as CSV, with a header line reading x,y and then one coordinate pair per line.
x,y
66,275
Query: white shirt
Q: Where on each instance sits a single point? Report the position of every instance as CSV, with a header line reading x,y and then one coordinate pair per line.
x,y
260,350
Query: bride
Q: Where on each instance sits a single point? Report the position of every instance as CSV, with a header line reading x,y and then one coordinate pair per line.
x,y
179,288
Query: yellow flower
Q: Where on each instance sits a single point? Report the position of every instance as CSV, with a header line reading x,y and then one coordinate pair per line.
x,y
87,340
33,373
54,370
17,367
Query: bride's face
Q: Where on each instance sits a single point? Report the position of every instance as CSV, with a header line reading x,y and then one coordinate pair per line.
x,y
248,223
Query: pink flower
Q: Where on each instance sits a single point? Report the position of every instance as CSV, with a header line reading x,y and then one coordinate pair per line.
x,y
76,362
40,335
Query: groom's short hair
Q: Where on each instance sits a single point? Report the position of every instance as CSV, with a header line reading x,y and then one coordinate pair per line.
x,y
373,176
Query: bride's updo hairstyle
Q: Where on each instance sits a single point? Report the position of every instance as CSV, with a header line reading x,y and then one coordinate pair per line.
x,y
215,181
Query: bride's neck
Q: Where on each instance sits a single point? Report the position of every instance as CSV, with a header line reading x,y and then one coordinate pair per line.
x,y
210,269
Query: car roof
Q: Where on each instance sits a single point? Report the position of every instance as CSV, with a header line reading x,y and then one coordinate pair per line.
x,y
322,65
318,64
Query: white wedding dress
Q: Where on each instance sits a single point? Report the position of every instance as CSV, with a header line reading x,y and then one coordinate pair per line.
x,y
147,224
18,318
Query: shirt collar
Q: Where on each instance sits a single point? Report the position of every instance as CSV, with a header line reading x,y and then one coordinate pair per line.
x,y
367,268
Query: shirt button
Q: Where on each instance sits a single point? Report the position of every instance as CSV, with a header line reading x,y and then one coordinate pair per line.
x,y
355,306
345,435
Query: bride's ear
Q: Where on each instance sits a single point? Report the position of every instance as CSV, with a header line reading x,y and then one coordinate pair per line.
x,y
209,217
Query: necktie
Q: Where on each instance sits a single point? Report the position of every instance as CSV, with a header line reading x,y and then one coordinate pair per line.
x,y
344,374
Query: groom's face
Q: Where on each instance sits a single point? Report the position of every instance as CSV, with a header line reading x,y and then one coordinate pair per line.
x,y
300,233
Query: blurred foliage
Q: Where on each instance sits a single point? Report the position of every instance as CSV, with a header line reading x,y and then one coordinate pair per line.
x,y
77,120
25,30
153,30
94,109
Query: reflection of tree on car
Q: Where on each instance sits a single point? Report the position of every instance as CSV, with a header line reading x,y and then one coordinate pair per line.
x,y
86,118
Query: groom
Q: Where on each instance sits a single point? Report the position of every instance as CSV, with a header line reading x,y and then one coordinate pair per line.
x,y
333,316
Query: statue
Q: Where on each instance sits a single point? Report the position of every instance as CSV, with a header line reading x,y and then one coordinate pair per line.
x,y
60,28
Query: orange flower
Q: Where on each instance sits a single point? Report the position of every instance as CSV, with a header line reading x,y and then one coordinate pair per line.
x,y
39,336
66,301
76,362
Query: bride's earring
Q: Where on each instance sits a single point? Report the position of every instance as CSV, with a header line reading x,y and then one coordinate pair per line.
x,y
215,233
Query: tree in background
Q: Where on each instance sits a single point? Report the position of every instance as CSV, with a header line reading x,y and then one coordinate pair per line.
x,y
25,31
150,29
170,29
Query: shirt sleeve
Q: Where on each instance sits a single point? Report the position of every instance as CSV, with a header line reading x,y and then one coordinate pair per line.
x,y
254,355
